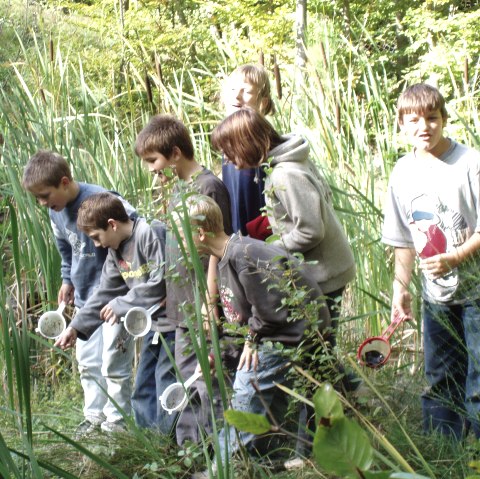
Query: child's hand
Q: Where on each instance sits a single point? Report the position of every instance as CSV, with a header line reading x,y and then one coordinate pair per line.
x,y
108,315
401,304
67,339
249,357
66,294
439,265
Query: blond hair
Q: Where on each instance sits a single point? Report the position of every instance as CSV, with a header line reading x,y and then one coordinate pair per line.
x,y
257,76
205,213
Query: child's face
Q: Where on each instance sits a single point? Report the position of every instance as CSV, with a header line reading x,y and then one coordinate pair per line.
x,y
108,238
156,164
53,197
424,131
239,93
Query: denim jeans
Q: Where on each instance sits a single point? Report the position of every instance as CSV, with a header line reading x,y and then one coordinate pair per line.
x,y
155,373
272,368
451,402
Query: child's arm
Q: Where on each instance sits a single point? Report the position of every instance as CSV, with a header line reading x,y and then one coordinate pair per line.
x,y
66,291
439,265
210,310
305,208
67,339
402,299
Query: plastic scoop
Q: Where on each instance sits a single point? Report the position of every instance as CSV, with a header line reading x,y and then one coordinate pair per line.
x,y
375,351
138,320
52,323
174,398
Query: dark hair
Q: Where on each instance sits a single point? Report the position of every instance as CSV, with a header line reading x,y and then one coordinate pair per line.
x,y
245,138
161,134
45,168
420,98
96,210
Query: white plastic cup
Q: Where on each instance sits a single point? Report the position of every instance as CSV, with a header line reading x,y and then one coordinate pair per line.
x,y
52,323
174,398
138,320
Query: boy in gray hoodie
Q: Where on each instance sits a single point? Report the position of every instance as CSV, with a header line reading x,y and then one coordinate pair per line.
x,y
133,275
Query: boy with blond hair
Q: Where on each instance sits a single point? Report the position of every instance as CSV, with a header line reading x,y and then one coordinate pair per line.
x,y
133,275
165,146
104,368
256,281
432,213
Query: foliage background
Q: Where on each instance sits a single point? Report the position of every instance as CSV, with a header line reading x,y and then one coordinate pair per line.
x,y
82,77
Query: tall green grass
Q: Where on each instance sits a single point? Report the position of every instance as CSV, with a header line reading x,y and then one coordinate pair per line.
x,y
340,103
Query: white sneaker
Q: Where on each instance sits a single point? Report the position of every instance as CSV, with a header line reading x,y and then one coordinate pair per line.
x,y
113,427
295,463
86,428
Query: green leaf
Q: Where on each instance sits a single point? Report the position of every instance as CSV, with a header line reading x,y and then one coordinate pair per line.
x,y
248,422
376,474
343,448
406,475
328,407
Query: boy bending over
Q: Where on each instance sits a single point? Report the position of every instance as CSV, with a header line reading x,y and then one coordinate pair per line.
x,y
256,283
102,366
132,276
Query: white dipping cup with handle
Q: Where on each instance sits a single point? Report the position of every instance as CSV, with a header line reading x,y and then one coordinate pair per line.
x,y
138,320
52,323
174,398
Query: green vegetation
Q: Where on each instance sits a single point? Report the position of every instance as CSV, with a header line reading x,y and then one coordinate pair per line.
x,y
82,77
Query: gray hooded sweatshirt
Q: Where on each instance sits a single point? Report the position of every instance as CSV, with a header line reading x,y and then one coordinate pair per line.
x,y
300,211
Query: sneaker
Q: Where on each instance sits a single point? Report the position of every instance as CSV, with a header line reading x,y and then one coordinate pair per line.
x,y
205,474
86,428
295,463
114,426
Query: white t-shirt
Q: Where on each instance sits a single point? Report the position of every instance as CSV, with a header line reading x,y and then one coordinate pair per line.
x,y
433,205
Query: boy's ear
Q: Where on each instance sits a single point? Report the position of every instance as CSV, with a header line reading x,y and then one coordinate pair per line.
x,y
202,235
65,181
113,223
176,153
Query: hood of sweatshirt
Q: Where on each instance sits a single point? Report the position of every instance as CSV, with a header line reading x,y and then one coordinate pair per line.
x,y
294,149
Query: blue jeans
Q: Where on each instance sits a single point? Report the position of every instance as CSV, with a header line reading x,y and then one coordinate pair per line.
x,y
154,374
272,368
452,368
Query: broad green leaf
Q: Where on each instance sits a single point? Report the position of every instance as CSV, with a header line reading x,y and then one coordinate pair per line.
x,y
248,422
342,448
327,405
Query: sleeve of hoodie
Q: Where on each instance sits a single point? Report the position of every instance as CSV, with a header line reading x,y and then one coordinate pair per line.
x,y
304,208
65,249
88,320
267,313
152,291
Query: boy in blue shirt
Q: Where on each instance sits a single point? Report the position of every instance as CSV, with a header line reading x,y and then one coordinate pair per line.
x,y
432,212
102,366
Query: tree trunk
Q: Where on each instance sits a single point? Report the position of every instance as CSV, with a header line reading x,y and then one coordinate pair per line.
x,y
301,26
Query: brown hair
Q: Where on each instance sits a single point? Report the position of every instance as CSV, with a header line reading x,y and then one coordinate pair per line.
x,y
257,76
161,135
245,138
205,213
420,98
96,210
45,168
